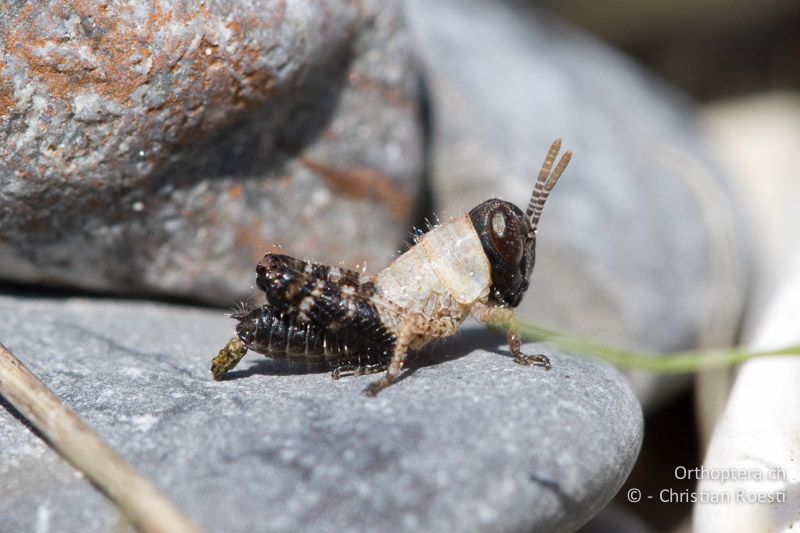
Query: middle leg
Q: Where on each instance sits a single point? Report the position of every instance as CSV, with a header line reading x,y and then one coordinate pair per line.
x,y
395,364
357,369
412,328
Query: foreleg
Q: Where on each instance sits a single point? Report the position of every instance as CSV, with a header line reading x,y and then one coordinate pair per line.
x,y
505,316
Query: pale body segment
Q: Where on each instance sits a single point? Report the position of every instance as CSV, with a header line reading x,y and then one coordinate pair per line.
x,y
477,263
437,281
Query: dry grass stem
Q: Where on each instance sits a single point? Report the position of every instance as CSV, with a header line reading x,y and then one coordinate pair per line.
x,y
138,498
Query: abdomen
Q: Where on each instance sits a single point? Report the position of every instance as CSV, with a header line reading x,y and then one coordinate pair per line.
x,y
280,336
314,313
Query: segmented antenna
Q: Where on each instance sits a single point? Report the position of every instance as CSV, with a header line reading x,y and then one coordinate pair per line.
x,y
546,181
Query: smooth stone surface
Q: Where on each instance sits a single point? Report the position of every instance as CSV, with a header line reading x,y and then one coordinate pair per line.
x,y
756,435
756,138
468,441
640,243
164,147
755,426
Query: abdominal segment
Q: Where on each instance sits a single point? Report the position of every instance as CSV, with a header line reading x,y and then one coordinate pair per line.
x,y
281,335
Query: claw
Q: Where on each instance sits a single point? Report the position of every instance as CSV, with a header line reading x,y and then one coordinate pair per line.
x,y
534,360
375,387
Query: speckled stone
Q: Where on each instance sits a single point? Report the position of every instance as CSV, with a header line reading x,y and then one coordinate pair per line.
x,y
467,441
642,242
161,146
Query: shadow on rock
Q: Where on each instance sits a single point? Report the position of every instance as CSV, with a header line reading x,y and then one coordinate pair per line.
x,y
439,351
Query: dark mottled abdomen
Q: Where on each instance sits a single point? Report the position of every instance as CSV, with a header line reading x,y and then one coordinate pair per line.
x,y
276,334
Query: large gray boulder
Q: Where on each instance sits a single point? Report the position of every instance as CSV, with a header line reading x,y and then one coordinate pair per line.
x,y
162,146
468,441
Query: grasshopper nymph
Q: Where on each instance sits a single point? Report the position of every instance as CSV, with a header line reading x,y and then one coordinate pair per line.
x,y
477,263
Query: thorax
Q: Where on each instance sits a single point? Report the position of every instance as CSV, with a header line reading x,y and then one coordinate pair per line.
x,y
442,275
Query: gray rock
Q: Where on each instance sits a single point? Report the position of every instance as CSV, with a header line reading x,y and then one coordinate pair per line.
x,y
641,245
165,147
468,441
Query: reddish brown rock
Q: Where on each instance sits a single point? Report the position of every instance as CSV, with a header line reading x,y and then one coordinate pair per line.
x,y
164,147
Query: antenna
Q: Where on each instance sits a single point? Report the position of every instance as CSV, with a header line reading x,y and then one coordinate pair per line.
x,y
546,181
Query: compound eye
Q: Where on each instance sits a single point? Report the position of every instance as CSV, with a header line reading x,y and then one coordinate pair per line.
x,y
506,235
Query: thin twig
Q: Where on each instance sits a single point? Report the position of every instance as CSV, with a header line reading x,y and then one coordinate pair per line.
x,y
139,500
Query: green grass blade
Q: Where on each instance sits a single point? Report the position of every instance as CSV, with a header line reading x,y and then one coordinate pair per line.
x,y
670,363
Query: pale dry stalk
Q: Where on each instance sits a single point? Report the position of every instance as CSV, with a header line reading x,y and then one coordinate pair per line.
x,y
140,501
